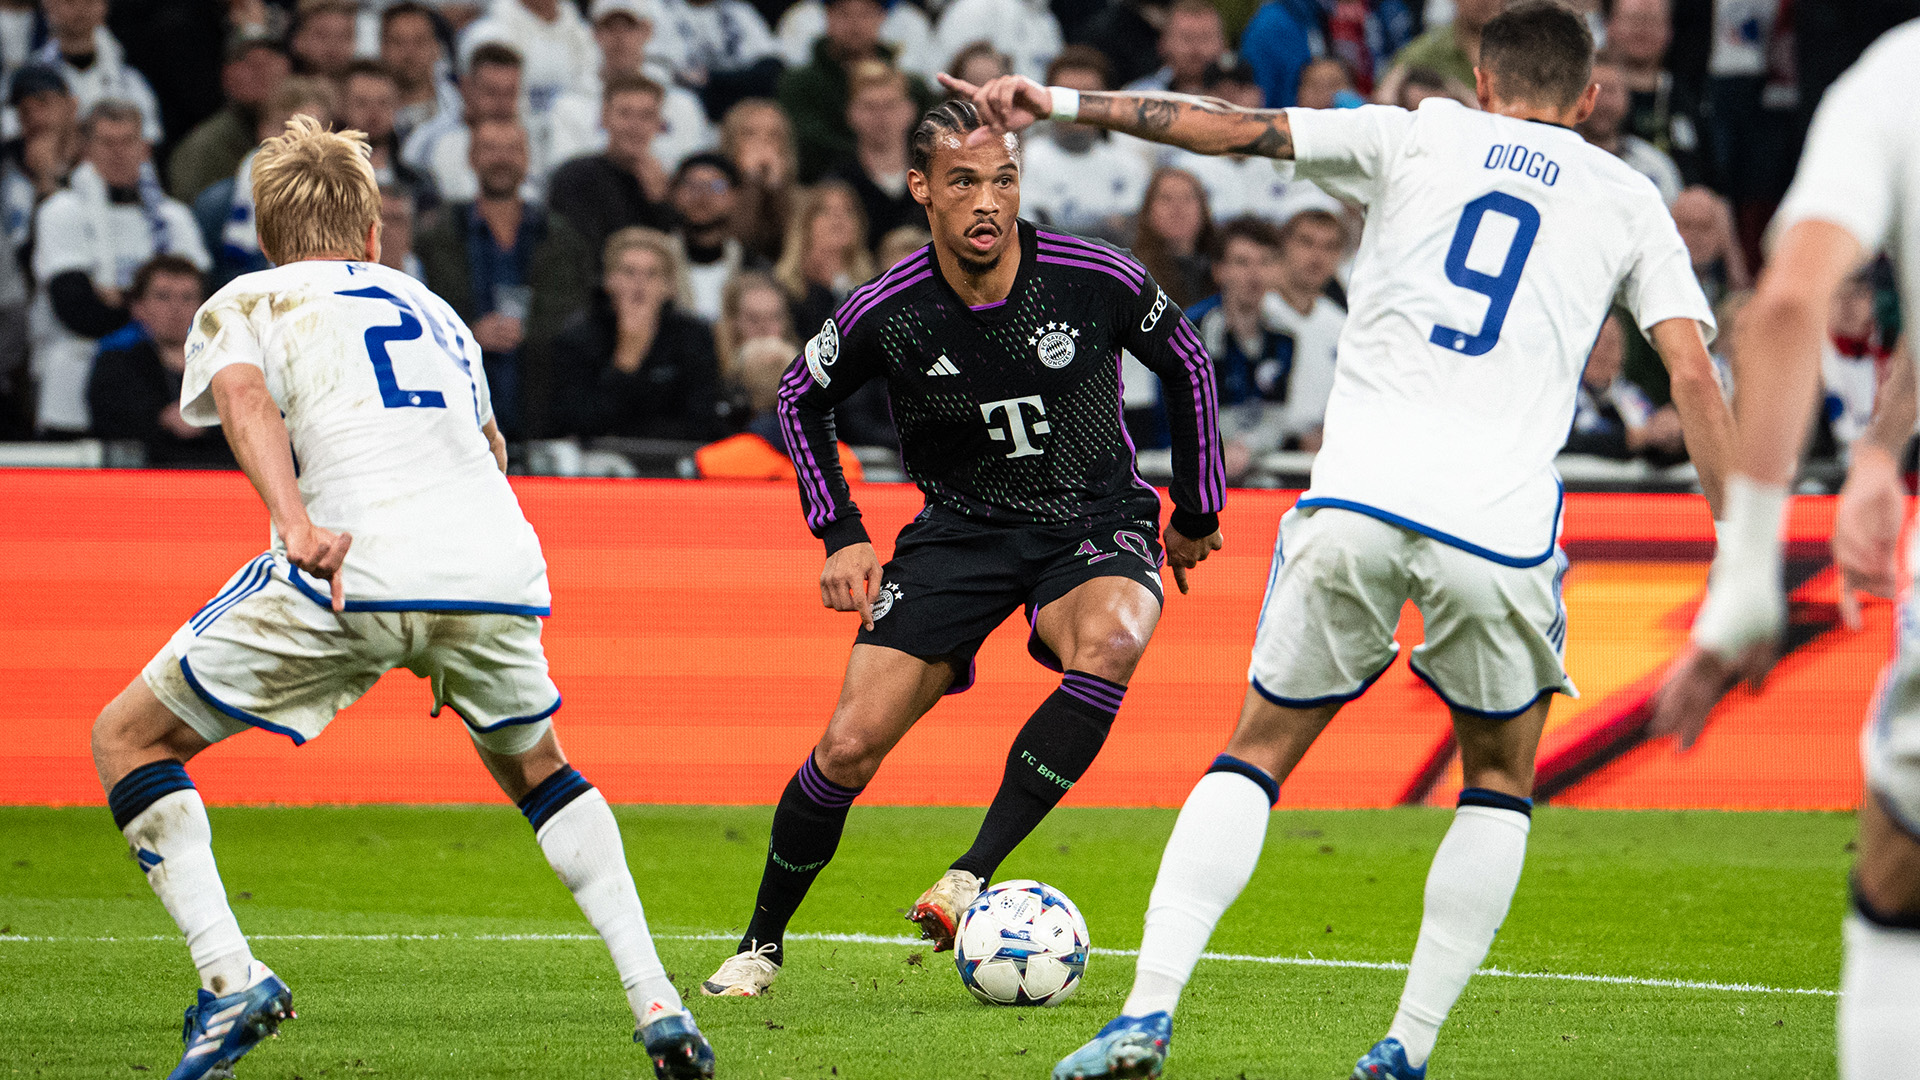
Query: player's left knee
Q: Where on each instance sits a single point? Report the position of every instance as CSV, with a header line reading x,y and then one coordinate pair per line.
x,y
1111,653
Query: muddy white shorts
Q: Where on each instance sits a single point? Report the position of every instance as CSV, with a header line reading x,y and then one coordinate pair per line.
x,y
1495,634
264,654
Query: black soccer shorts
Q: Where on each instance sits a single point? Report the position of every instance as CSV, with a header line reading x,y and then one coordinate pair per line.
x,y
951,582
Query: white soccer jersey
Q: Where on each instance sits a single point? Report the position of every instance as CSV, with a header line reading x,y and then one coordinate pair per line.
x,y
1492,251
384,396
1861,167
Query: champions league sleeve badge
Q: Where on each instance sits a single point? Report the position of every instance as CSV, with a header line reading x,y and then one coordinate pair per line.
x,y
824,349
1054,344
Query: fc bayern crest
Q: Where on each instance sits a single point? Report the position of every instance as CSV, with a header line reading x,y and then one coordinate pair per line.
x,y
1054,344
883,603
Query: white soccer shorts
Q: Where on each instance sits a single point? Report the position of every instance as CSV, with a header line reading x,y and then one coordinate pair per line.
x,y
1890,742
263,654
1495,634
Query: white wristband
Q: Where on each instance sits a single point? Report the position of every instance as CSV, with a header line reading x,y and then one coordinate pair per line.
x,y
1066,104
1749,534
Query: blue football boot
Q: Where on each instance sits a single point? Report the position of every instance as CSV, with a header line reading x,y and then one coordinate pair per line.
x,y
219,1030
678,1050
1387,1061
1128,1047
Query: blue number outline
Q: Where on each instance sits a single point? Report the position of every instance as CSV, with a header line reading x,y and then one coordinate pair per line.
x,y
392,394
1499,289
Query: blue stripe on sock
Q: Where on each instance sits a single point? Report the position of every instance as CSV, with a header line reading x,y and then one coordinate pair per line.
x,y
145,786
1497,800
552,795
1230,764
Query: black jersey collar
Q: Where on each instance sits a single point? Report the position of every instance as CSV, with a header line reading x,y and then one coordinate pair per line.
x,y
994,313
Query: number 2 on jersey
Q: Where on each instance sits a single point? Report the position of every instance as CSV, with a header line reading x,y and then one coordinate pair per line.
x,y
378,338
1498,289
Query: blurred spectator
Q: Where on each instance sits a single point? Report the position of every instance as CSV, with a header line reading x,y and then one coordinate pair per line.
x,y
753,306
600,194
134,390
1236,184
1284,35
706,190
410,47
1603,129
18,22
88,241
557,51
906,28
1173,234
1191,41
322,41
1325,83
369,105
632,364
816,96
1077,177
211,152
92,62
900,243
1127,33
396,232
1613,417
882,117
723,50
1660,109
757,138
1706,227
1752,117
1417,84
622,30
230,202
1022,29
513,272
459,14
35,165
826,256
1853,361
760,452
13,340
979,63
1451,50
489,93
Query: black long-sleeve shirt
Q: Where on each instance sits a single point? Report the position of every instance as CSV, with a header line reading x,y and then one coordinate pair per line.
x,y
673,395
1010,412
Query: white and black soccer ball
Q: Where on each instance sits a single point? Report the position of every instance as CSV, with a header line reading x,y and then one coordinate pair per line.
x,y
1021,943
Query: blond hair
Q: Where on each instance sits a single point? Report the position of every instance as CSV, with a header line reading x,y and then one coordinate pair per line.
x,y
314,192
641,238
855,262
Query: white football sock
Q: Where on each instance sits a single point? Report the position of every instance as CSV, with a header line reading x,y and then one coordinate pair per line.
x,y
1469,889
1880,1003
582,844
1214,847
175,829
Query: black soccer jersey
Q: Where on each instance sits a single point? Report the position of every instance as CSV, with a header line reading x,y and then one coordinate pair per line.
x,y
1011,412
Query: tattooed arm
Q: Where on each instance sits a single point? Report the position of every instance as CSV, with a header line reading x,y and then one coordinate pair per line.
x,y
1203,125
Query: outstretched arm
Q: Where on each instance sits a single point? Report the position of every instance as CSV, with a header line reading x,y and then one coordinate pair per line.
x,y
1705,419
1203,125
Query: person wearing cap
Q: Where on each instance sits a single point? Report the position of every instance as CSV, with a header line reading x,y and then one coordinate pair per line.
x,y
213,150
815,96
624,32
35,164
556,48
93,62
706,189
1191,41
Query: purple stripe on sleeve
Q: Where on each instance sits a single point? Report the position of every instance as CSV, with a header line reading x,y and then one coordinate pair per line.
x,y
869,305
1102,267
1071,240
1097,254
860,295
1200,378
813,481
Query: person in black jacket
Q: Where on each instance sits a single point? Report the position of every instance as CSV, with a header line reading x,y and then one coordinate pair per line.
x,y
134,391
632,364
600,194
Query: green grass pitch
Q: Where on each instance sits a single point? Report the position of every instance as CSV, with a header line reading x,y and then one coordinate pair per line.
x,y
1699,897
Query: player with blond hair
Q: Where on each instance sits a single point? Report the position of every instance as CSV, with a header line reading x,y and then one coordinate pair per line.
x,y
355,401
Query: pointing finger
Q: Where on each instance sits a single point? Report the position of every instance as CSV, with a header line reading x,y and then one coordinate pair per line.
x,y
958,86
1180,577
1849,605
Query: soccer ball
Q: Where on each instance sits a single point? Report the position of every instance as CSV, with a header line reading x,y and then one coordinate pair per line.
x,y
1021,943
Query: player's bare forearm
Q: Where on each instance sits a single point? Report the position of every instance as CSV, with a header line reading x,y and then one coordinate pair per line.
x,y
1705,420
1894,407
1776,348
496,442
258,436
1201,124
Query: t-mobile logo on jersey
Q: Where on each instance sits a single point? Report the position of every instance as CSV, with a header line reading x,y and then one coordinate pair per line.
x,y
1017,428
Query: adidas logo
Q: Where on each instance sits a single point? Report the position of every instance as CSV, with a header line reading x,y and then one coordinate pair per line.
x,y
943,366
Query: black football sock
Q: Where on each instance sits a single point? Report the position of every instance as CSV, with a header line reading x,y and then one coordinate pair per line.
x,y
1048,757
806,830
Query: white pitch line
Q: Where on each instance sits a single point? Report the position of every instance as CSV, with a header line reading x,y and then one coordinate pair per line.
x,y
901,939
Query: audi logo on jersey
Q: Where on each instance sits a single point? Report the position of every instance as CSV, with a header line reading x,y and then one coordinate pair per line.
x,y
1153,317
1017,429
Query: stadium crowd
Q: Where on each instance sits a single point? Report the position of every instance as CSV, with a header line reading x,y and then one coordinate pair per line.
x,y
642,207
